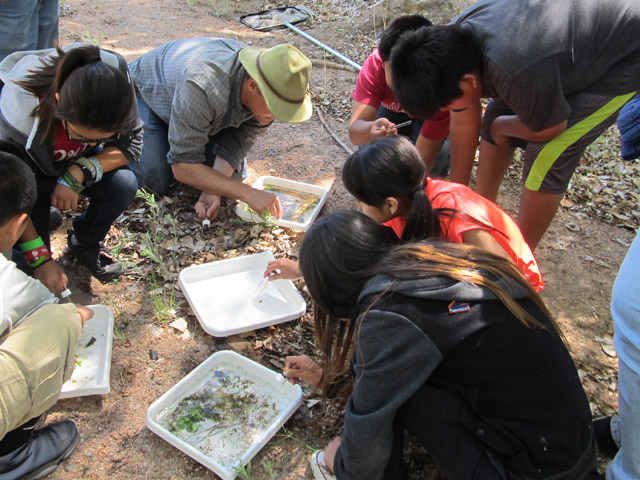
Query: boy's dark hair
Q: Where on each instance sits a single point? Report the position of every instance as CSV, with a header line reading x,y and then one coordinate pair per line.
x,y
400,25
93,94
428,64
17,184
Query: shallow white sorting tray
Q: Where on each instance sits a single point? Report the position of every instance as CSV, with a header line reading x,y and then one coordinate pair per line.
x,y
93,362
223,296
242,209
287,398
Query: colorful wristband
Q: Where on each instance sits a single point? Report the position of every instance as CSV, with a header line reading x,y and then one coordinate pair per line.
x,y
31,244
40,263
72,181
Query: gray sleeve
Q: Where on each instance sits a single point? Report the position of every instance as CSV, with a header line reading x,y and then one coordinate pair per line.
x,y
393,358
192,115
233,143
535,95
20,295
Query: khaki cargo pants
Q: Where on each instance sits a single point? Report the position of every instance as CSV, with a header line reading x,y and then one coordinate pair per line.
x,y
36,358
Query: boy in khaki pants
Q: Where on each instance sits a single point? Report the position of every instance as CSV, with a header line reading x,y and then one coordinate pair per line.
x,y
37,342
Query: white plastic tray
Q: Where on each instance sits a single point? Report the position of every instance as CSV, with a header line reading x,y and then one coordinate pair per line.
x,y
227,442
93,362
242,209
223,296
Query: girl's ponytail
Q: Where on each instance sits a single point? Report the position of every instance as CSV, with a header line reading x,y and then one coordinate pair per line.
x,y
422,221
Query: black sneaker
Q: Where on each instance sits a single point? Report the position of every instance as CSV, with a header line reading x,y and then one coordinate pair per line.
x,y
102,265
604,437
42,454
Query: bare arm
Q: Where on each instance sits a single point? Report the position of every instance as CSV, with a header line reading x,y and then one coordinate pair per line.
x,y
49,273
363,126
463,137
212,182
428,150
483,239
510,126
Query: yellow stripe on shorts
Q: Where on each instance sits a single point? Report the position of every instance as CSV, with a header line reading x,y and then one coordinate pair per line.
x,y
554,148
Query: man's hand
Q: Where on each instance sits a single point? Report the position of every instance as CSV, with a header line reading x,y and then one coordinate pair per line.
x,y
262,202
302,367
330,452
85,313
52,276
64,198
207,206
282,268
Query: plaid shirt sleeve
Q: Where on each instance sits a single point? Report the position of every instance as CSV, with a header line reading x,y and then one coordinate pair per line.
x,y
202,105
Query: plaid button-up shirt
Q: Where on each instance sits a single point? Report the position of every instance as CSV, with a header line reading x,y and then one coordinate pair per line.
x,y
194,85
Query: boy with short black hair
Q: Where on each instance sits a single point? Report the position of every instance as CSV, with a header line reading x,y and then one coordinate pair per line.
x,y
38,339
376,112
557,74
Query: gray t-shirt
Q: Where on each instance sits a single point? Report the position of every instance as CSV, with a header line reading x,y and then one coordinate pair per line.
x,y
537,53
194,85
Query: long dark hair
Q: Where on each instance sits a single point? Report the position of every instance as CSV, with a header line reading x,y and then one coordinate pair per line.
x,y
336,257
342,251
391,167
92,93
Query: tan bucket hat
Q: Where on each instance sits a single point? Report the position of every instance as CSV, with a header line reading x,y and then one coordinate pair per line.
x,y
282,74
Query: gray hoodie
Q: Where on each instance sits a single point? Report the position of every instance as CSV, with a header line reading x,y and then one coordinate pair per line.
x,y
517,387
18,126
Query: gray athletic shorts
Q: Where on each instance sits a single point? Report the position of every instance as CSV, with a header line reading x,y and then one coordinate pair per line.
x,y
548,166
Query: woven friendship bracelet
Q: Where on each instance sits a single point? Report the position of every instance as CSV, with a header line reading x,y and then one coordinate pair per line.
x,y
72,182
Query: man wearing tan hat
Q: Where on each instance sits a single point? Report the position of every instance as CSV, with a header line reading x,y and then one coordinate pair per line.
x,y
203,102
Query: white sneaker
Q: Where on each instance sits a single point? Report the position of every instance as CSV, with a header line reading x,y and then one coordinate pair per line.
x,y
318,467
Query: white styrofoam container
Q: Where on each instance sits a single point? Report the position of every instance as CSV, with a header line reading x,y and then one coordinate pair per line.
x,y
91,375
223,296
290,396
242,209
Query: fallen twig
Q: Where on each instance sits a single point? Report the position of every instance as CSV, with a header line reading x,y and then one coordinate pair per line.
x,y
330,132
337,66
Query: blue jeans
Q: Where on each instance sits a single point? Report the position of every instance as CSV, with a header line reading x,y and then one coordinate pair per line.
x,y
109,198
27,25
153,171
625,310
441,164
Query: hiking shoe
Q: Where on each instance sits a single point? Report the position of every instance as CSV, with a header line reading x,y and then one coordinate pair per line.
x,y
102,265
42,454
604,437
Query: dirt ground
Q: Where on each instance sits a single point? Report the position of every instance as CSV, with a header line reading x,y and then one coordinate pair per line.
x,y
579,256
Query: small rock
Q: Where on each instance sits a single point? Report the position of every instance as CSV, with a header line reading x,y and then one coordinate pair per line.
x,y
180,324
153,355
68,466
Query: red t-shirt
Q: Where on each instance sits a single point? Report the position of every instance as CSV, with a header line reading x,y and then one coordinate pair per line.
x,y
63,149
461,198
372,89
